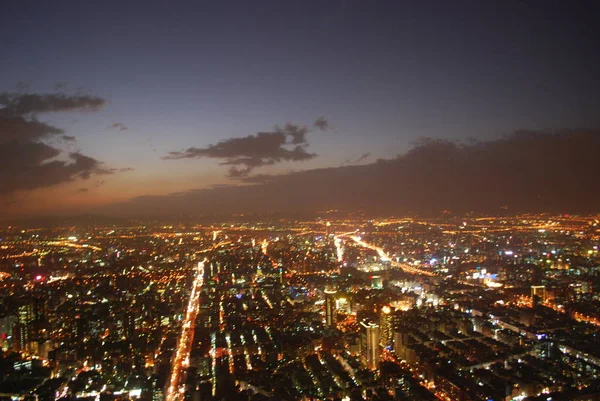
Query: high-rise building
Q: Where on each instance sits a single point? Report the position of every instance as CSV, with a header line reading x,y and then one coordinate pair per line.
x,y
330,307
386,323
26,313
369,344
400,340
546,349
23,329
538,294
20,337
30,330
39,326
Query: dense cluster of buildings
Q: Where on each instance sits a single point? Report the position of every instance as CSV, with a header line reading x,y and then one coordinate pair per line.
x,y
476,308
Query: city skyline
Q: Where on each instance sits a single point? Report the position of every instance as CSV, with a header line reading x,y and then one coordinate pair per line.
x,y
345,309
333,200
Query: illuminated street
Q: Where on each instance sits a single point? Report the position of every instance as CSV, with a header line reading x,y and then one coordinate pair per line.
x,y
181,359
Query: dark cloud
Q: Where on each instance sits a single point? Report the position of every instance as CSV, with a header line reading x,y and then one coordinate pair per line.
x,y
296,133
236,172
29,158
82,190
525,171
88,165
119,126
321,123
31,165
17,128
26,103
244,154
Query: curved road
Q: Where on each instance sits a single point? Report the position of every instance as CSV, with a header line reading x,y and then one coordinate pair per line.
x,y
382,254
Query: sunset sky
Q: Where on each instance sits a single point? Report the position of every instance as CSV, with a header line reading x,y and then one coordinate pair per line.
x,y
163,100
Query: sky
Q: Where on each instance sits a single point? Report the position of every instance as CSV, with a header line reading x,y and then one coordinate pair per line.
x,y
159,107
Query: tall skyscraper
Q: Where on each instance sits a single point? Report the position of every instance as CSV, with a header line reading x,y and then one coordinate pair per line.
x,y
386,323
330,307
20,337
369,344
22,330
30,330
39,326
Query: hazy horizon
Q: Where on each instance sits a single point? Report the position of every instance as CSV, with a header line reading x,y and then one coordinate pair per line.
x,y
153,109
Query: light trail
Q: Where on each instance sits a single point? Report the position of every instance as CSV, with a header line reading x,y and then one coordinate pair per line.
x,y
384,256
184,346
